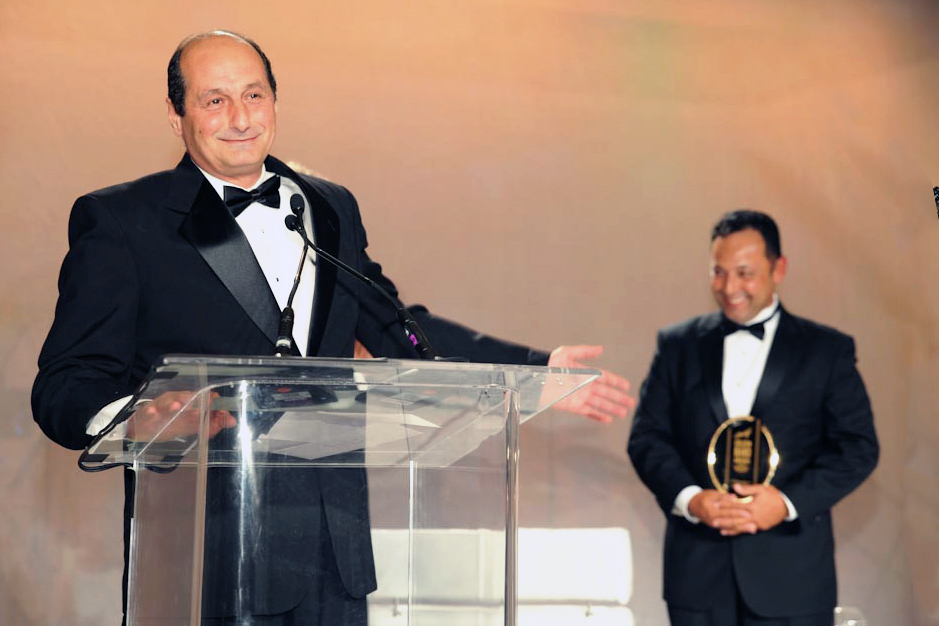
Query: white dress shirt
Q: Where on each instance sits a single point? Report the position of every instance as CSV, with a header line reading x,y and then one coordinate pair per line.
x,y
278,250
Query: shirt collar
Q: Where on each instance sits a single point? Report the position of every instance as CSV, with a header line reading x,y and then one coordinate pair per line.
x,y
219,185
765,313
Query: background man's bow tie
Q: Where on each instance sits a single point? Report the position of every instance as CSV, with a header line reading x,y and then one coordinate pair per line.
x,y
729,327
267,193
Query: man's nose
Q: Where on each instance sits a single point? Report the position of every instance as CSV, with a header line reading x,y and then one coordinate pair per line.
x,y
731,284
239,118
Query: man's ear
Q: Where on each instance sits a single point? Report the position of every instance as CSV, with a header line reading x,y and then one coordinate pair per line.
x,y
176,122
779,269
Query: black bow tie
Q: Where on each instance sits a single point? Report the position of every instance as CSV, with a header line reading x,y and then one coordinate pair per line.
x,y
267,193
729,327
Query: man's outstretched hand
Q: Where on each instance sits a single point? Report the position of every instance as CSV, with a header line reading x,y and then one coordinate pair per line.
x,y
605,399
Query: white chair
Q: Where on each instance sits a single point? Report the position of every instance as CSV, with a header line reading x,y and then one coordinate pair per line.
x,y
566,577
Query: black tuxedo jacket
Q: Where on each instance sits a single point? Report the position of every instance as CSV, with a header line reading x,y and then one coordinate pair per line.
x,y
158,266
813,401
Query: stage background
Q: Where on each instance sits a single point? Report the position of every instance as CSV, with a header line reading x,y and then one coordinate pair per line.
x,y
544,170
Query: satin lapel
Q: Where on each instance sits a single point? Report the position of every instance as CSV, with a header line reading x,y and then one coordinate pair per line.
x,y
711,352
211,228
326,236
780,359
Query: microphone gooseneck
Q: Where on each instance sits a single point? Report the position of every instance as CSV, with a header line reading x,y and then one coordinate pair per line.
x,y
282,347
412,330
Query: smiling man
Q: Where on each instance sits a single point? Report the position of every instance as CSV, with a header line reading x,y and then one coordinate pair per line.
x,y
197,260
762,554
221,102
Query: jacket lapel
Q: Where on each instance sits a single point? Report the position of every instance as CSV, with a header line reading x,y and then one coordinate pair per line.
x,y
326,236
711,353
210,227
778,362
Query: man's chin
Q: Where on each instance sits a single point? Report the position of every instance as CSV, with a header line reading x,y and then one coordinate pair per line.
x,y
736,315
244,164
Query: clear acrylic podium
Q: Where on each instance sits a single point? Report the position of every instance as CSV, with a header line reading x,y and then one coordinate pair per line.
x,y
438,442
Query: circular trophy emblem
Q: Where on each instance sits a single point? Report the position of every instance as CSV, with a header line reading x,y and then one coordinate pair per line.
x,y
741,451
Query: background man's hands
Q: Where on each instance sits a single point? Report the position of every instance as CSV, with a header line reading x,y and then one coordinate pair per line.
x,y
766,508
750,509
718,510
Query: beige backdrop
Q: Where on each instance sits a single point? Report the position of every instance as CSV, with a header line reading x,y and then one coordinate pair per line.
x,y
545,170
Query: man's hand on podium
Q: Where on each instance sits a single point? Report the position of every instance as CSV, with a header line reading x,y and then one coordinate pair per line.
x,y
605,399
151,420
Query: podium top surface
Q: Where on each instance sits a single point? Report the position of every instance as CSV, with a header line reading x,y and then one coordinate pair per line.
x,y
330,412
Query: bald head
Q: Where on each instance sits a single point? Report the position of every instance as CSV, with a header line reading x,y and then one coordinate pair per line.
x,y
176,83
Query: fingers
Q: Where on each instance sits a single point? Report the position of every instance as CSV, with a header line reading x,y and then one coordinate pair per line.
x,y
220,420
164,417
583,353
614,388
706,505
581,403
744,490
611,404
166,404
731,528
605,399
735,522
734,518
723,512
613,381
767,506
598,402
570,356
604,412
609,396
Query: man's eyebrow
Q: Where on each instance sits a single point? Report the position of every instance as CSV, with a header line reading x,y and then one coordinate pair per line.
x,y
211,92
218,91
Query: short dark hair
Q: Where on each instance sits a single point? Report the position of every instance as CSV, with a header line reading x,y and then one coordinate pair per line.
x,y
741,219
176,86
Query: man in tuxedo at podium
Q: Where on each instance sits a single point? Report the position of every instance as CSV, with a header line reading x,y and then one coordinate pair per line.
x,y
197,260
762,554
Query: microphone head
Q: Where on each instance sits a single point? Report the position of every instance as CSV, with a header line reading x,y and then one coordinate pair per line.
x,y
296,204
292,222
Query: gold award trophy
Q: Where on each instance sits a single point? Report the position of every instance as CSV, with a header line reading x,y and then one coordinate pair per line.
x,y
741,451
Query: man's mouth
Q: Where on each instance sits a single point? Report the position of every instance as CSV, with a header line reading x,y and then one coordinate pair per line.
x,y
237,140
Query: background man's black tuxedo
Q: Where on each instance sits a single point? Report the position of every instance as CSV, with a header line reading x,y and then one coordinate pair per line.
x,y
158,266
813,401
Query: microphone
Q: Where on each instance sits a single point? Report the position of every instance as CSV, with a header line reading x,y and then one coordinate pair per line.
x,y
935,193
412,330
285,329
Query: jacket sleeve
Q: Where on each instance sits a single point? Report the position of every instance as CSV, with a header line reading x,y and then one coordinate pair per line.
x,y
85,362
652,439
849,450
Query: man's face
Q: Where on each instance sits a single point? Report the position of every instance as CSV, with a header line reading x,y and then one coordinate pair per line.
x,y
229,123
743,280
